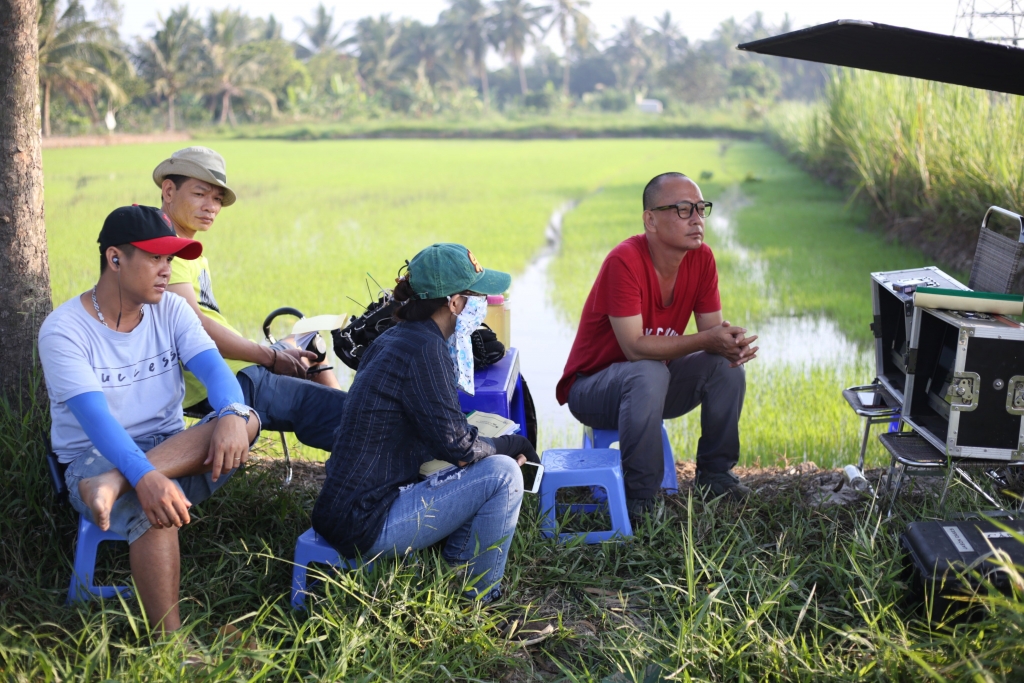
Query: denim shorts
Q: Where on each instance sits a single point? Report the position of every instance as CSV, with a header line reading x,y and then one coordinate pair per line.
x,y
127,517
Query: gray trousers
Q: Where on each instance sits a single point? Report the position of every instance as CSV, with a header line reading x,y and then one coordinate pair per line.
x,y
634,397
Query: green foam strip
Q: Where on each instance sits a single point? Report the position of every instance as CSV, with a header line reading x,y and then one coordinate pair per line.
x,y
970,294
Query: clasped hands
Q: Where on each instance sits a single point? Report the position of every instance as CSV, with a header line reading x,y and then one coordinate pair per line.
x,y
164,503
729,342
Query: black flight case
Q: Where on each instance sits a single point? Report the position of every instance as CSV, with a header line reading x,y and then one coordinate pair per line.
x,y
947,561
966,394
892,302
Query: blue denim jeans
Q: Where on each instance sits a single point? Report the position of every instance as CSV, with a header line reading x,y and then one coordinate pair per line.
x,y
288,404
127,517
475,507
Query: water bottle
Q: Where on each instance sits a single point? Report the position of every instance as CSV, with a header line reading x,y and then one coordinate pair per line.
x,y
855,480
499,317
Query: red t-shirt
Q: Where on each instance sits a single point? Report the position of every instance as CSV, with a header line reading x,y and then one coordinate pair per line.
x,y
628,285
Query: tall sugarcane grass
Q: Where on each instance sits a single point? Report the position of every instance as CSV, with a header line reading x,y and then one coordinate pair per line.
x,y
912,147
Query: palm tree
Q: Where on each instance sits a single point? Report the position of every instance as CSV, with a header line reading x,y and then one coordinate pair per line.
x,y
573,28
422,49
76,56
319,34
234,62
376,41
24,269
668,39
270,29
168,59
514,25
630,52
465,24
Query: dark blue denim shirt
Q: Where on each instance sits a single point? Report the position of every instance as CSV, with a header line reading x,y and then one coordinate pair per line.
x,y
402,411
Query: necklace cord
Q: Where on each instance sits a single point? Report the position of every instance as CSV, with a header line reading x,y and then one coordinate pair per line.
x,y
99,313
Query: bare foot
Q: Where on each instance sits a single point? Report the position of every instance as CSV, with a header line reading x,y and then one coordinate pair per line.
x,y
100,493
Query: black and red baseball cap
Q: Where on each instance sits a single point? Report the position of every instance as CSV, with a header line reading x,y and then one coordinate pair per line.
x,y
149,229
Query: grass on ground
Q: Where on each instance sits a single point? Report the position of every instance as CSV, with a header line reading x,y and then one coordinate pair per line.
x,y
706,591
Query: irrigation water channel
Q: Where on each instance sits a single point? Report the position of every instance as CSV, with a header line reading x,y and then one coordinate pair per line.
x,y
544,338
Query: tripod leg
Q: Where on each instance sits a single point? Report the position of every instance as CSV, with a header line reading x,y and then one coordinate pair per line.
x,y
945,488
974,485
864,443
895,488
287,459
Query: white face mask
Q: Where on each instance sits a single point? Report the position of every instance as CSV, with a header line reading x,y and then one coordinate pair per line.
x,y
459,344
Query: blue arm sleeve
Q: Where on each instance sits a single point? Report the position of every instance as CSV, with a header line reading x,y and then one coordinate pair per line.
x,y
221,386
108,436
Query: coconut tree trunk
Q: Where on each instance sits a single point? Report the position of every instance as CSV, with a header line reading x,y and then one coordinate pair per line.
x,y
94,113
46,109
225,104
170,112
24,271
565,75
484,84
522,74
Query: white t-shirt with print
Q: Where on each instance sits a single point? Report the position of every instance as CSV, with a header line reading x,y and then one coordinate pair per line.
x,y
138,372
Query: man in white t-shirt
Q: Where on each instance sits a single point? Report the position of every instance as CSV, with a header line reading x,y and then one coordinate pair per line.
x,y
111,361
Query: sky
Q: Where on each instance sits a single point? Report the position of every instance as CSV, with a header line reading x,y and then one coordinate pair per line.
x,y
697,20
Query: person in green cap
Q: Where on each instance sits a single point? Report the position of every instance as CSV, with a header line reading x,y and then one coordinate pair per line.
x,y
403,411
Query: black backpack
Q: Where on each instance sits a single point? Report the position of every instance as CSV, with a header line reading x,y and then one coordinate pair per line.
x,y
351,342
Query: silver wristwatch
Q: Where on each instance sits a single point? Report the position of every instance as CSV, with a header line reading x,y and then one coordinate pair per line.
x,y
240,409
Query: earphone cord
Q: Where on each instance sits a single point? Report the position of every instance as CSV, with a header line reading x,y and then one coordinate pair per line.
x,y
120,304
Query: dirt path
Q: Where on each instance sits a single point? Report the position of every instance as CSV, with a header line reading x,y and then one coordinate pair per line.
x,y
62,142
814,485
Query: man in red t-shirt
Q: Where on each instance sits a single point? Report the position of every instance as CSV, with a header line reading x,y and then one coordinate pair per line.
x,y
631,366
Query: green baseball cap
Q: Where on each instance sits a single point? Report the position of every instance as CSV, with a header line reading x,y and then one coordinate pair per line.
x,y
444,269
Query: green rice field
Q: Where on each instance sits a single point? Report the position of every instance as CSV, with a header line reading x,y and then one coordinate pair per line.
x,y
777,589
315,221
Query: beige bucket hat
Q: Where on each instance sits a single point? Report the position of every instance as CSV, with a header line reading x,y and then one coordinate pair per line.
x,y
197,162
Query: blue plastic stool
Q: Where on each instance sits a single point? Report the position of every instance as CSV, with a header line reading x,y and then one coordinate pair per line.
x,y
311,548
82,587
584,467
603,438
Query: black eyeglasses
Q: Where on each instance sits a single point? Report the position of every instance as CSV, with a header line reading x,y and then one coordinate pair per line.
x,y
685,209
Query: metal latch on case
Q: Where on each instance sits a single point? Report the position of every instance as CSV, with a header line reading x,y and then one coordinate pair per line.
x,y
1015,395
963,392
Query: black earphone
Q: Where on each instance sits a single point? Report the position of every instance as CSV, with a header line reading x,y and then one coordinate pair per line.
x,y
117,262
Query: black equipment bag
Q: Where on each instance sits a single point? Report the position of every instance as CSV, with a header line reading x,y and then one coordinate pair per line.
x,y
947,561
351,342
487,350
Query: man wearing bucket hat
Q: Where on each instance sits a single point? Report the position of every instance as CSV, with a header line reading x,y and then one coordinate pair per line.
x,y
110,358
403,411
194,187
